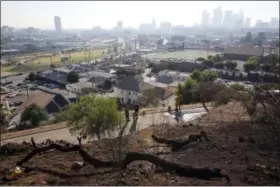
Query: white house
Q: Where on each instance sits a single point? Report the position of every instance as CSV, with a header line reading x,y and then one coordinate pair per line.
x,y
100,74
167,76
129,90
77,87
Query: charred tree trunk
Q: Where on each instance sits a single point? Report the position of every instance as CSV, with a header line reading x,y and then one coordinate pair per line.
x,y
182,170
174,144
204,105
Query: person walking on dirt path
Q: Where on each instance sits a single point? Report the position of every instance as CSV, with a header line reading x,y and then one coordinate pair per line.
x,y
127,115
136,110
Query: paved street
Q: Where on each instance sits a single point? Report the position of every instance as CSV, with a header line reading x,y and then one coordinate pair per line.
x,y
142,123
134,125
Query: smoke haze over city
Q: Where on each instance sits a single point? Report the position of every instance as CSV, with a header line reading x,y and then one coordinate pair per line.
x,y
86,14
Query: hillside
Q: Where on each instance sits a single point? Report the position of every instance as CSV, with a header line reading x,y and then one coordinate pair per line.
x,y
229,149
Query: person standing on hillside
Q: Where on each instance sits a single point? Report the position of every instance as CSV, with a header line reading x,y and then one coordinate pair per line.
x,y
126,111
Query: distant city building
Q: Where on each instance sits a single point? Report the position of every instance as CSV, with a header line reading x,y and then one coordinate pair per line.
x,y
205,18
120,25
240,19
262,25
247,23
217,17
57,23
154,23
165,27
227,22
274,23
146,28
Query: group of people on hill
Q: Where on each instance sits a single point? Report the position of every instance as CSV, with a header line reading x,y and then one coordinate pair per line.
x,y
135,115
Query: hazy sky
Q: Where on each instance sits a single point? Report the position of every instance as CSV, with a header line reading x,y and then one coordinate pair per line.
x,y
86,14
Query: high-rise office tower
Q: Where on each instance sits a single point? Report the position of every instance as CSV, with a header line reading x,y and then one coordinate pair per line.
x,y
57,24
217,17
274,23
227,21
247,23
205,18
240,19
120,25
154,23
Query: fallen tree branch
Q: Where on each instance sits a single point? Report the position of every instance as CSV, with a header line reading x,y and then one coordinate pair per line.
x,y
28,169
182,170
46,148
174,144
95,162
179,144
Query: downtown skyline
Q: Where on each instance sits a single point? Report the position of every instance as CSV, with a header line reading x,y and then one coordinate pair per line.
x,y
86,14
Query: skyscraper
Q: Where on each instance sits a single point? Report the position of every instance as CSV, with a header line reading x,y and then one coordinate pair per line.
x,y
227,22
154,23
120,25
205,18
57,24
217,17
247,23
274,23
240,19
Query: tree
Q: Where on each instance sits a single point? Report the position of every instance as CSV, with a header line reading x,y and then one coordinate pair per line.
x,y
248,37
249,67
230,65
32,77
260,38
86,91
200,59
253,60
107,84
179,96
210,57
209,75
34,115
188,94
219,65
73,77
238,87
207,92
208,63
92,115
52,65
196,75
3,121
217,58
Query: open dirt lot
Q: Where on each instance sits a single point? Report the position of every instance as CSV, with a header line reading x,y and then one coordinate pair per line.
x,y
225,126
186,54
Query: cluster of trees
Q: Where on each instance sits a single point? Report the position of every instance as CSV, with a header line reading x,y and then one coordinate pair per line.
x,y
255,40
269,63
251,64
178,66
92,116
201,87
73,77
216,61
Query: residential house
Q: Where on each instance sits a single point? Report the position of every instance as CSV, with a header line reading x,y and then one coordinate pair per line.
x,y
130,90
52,103
102,75
56,76
167,77
77,87
243,52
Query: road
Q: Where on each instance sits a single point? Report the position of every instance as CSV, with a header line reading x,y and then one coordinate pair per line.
x,y
64,134
143,122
